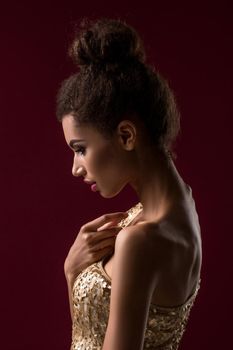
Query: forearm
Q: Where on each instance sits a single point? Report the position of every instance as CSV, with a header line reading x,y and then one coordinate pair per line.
x,y
70,278
69,287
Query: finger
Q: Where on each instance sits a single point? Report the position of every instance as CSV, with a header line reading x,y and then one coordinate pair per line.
x,y
103,234
108,225
112,217
104,243
100,254
92,238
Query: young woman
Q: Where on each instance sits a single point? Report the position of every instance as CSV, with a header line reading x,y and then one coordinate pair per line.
x,y
132,277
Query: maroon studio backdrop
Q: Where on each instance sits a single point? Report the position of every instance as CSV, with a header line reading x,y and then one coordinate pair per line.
x,y
43,205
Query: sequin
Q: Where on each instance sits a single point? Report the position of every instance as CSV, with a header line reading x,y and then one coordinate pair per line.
x,y
91,302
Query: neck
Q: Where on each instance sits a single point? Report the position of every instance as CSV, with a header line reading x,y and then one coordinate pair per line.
x,y
157,184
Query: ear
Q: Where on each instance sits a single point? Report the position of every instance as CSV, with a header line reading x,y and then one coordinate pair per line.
x,y
127,132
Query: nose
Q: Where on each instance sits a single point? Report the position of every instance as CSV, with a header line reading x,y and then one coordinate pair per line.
x,y
77,171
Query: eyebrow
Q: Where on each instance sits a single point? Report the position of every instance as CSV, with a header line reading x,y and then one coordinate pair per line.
x,y
72,142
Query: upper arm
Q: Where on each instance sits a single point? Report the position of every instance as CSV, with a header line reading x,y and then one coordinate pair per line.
x,y
133,281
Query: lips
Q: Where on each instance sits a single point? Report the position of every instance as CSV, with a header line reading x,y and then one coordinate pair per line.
x,y
92,183
94,187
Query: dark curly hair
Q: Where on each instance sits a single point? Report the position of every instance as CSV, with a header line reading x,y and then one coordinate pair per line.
x,y
113,80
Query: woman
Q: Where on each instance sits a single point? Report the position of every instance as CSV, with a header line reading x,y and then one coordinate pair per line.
x,y
132,277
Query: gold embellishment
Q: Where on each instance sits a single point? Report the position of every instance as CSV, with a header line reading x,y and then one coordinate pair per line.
x,y
91,302
132,213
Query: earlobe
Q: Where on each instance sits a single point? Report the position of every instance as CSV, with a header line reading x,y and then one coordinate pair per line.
x,y
127,134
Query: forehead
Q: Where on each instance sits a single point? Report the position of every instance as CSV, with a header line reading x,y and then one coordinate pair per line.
x,y
73,130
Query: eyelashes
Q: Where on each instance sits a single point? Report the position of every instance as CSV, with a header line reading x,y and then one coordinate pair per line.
x,y
81,150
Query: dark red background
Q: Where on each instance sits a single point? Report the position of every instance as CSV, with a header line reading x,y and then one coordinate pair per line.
x,y
43,206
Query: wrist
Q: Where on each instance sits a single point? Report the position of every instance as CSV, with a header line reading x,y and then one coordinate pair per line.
x,y
71,276
70,281
68,270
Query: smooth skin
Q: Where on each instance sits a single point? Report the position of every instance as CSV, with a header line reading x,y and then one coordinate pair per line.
x,y
157,259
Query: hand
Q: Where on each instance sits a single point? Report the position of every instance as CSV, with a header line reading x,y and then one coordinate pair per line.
x,y
94,240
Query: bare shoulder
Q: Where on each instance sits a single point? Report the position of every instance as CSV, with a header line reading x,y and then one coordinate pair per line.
x,y
149,236
136,235
144,241
166,253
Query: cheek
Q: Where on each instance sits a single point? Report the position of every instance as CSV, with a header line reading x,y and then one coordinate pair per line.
x,y
98,160
105,162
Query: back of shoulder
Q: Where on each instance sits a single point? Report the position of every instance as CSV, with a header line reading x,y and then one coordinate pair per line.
x,y
166,250
161,240
144,236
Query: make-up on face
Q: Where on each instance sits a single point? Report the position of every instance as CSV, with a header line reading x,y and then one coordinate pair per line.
x,y
99,160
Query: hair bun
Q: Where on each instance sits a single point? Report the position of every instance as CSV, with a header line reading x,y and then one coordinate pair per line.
x,y
106,41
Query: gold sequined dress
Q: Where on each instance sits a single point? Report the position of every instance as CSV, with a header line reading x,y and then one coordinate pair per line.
x,y
91,303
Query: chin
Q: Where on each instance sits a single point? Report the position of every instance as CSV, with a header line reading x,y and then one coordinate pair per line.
x,y
108,195
111,194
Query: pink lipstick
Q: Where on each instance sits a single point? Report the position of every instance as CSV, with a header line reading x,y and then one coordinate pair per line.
x,y
94,187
